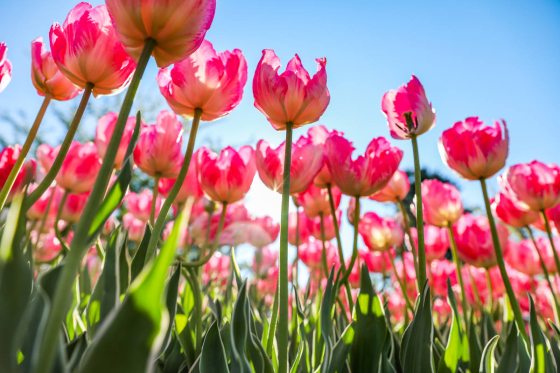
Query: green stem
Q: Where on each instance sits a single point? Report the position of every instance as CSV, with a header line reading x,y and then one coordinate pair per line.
x,y
336,228
160,221
324,251
215,245
458,267
295,264
490,290
44,218
401,283
501,265
81,240
406,224
154,200
63,150
421,277
283,331
5,192
551,239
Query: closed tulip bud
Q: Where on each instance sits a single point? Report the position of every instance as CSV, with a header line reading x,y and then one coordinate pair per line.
x,y
368,173
79,169
474,150
512,212
158,150
176,26
5,67
378,233
46,77
307,160
292,96
190,187
396,189
315,201
436,241
226,177
408,100
8,158
474,241
104,132
207,81
442,203
535,185
87,51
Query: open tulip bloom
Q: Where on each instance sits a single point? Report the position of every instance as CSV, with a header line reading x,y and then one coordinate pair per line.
x,y
118,252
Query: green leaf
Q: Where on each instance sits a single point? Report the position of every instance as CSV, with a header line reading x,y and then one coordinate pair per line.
x,y
488,363
475,348
139,260
370,328
213,356
239,333
416,347
131,336
15,284
457,345
509,362
542,359
171,303
327,310
341,350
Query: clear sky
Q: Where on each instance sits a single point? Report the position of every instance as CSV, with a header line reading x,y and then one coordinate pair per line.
x,y
494,59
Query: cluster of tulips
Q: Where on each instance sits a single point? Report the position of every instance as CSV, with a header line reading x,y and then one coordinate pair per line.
x,y
97,277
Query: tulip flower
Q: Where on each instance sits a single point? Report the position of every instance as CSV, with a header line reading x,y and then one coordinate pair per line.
x,y
134,226
139,204
104,132
226,177
176,27
396,189
442,203
217,270
524,257
48,249
46,76
436,242
319,135
404,274
88,52
306,161
8,159
512,212
79,168
408,111
73,207
378,233
299,228
311,252
158,151
376,261
474,150
190,187
206,81
42,207
315,201
5,67
328,229
553,215
262,231
441,271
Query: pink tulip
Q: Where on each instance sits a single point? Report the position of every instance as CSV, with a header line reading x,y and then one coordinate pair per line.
x,y
48,249
104,132
368,173
134,227
442,203
300,236
216,271
378,233
376,261
406,272
479,278
534,185
140,204
158,151
5,67
40,208
512,212
328,223
396,190
553,215
79,168
293,96
409,99
46,77
523,256
45,156
73,207
87,50
264,259
8,158
396,305
474,150
207,81
544,302
315,201
310,253
176,26
442,310
319,135
474,242
436,241
263,231
307,160
440,271
190,187
226,177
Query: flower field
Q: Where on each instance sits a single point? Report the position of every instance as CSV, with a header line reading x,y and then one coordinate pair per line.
x,y
119,253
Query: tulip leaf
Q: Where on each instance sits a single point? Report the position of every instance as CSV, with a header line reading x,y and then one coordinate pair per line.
x,y
240,333
171,303
417,342
513,356
542,359
341,350
139,260
369,326
456,351
213,356
132,334
487,362
326,318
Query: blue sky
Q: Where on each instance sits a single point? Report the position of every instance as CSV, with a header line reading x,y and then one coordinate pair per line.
x,y
495,59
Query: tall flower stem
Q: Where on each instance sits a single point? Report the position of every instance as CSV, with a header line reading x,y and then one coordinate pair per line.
x,y
283,332
501,265
63,150
545,271
406,224
63,294
551,239
336,228
458,267
421,275
324,251
354,256
154,200
490,289
215,244
402,284
24,150
160,221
